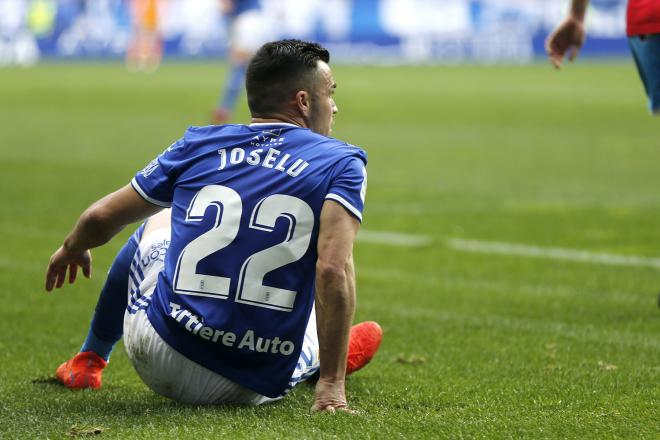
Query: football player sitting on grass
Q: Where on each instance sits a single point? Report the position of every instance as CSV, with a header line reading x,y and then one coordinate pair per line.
x,y
246,287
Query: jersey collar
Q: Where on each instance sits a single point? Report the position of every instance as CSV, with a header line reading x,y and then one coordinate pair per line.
x,y
270,124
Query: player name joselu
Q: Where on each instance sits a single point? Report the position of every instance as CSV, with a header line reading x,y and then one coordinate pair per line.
x,y
270,158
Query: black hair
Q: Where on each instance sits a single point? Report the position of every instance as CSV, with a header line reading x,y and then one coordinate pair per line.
x,y
278,70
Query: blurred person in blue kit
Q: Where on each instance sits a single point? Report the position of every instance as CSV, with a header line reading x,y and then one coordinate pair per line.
x,y
642,28
246,34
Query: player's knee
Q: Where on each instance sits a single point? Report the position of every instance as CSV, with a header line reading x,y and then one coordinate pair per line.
x,y
163,219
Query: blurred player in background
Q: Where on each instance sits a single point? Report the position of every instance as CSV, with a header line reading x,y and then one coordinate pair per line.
x,y
246,34
145,51
225,291
643,29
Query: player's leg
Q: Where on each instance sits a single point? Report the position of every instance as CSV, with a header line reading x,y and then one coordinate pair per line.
x,y
231,90
127,271
246,36
108,320
646,52
85,369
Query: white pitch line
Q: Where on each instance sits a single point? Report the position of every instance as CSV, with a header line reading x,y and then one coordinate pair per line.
x,y
500,248
393,238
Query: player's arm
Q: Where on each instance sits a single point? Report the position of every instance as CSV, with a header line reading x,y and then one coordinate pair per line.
x,y
568,36
96,226
335,302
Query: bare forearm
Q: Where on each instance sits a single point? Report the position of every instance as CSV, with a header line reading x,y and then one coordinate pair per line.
x,y
105,218
96,226
92,229
579,9
335,307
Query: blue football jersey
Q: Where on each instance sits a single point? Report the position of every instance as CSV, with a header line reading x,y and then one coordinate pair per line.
x,y
238,285
241,6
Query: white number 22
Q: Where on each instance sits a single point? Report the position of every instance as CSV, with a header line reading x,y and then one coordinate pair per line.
x,y
228,211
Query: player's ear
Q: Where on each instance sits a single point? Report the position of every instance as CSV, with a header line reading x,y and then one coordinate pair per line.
x,y
304,104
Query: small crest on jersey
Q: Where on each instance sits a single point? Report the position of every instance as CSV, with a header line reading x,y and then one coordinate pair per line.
x,y
268,138
150,168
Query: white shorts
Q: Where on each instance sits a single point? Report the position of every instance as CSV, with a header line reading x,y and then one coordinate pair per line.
x,y
247,32
166,371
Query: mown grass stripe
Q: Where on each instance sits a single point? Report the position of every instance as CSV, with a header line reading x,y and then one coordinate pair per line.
x,y
553,253
585,332
393,238
447,282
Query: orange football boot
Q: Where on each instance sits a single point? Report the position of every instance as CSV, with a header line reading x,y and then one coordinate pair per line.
x,y
363,344
84,370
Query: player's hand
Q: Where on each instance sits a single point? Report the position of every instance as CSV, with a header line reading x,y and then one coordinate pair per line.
x,y
568,37
64,259
330,397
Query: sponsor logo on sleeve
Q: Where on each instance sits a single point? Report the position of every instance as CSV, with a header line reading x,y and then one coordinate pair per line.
x,y
150,168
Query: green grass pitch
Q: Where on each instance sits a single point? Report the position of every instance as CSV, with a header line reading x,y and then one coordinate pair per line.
x,y
477,345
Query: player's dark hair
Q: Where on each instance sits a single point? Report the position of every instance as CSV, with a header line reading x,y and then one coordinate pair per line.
x,y
278,70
